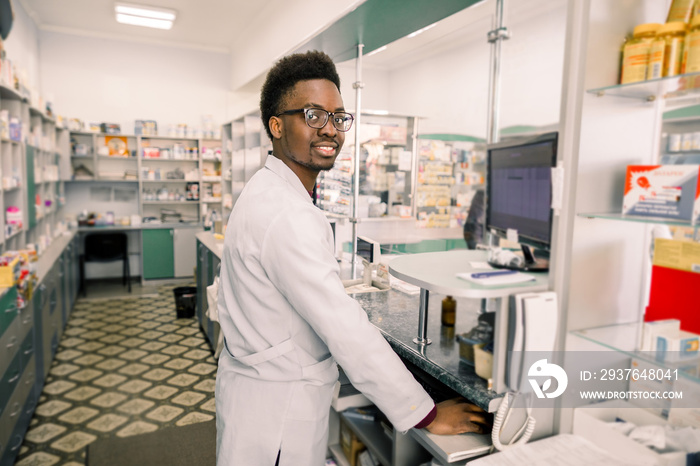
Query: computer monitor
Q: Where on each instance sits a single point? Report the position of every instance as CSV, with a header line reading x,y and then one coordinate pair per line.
x,y
368,249
519,195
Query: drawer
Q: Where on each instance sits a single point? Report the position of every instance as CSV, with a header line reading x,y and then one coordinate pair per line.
x,y
9,381
25,323
15,420
26,354
9,346
8,309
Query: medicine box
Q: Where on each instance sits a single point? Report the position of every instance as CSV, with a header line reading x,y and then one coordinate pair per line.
x,y
9,271
666,191
350,443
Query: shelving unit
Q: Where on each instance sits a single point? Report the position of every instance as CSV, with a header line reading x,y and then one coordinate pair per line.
x,y
166,172
387,170
601,257
450,170
245,148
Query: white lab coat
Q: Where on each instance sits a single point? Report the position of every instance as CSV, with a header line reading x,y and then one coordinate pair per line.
x,y
287,320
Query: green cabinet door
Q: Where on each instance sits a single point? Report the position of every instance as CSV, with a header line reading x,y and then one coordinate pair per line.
x,y
31,189
158,254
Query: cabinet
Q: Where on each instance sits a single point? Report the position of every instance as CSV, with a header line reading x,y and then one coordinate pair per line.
x,y
158,254
29,338
207,269
168,252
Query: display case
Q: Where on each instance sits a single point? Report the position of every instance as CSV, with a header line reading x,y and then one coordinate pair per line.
x,y
451,168
387,170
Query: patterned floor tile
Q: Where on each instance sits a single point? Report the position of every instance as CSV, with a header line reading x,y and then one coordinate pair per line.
x,y
111,364
44,432
188,398
109,399
109,380
137,428
134,369
73,442
52,408
63,369
107,422
89,359
136,406
39,459
178,363
79,415
165,413
124,367
193,418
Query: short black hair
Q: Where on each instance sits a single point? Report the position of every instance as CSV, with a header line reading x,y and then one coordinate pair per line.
x,y
286,73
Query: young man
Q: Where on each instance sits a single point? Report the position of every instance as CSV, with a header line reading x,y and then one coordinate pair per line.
x,y
282,307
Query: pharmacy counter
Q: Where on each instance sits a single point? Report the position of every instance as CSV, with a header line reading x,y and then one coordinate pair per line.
x,y
395,314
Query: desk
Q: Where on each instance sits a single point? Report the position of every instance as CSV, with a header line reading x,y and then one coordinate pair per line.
x,y
172,252
437,271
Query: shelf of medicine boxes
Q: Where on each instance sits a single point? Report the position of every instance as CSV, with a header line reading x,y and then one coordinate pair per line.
x,y
447,174
625,338
334,187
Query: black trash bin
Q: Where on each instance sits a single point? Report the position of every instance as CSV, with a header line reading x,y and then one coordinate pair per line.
x,y
185,301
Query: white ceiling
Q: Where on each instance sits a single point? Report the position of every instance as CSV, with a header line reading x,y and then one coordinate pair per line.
x,y
211,24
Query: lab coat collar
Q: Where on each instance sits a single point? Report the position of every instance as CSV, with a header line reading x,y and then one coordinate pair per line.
x,y
282,170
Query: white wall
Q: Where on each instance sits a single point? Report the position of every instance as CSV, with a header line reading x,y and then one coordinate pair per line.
x,y
22,45
103,80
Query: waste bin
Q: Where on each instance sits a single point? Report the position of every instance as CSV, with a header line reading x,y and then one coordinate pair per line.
x,y
185,301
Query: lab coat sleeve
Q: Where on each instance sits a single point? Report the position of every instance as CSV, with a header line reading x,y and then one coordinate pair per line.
x,y
297,259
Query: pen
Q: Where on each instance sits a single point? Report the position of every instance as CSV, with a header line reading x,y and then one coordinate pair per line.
x,y
493,274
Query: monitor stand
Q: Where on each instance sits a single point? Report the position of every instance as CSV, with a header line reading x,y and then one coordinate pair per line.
x,y
530,262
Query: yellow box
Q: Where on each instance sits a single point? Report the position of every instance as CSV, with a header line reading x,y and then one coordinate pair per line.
x,y
352,446
9,273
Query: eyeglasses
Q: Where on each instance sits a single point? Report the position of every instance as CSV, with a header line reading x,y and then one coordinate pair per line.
x,y
317,118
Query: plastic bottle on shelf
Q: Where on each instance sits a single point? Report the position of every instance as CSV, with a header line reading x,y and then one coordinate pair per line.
x,y
691,54
635,57
665,54
449,311
681,10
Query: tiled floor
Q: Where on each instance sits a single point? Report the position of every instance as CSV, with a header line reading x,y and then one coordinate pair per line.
x,y
124,367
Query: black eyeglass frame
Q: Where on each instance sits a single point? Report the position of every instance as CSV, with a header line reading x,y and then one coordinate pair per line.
x,y
328,117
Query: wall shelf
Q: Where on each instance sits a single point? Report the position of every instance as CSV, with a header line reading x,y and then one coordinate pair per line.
x,y
681,88
639,219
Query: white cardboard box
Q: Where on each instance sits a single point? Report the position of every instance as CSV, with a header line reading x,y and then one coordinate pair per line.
x,y
591,423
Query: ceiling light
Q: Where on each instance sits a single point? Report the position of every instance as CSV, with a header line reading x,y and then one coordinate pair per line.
x,y
420,31
376,51
140,15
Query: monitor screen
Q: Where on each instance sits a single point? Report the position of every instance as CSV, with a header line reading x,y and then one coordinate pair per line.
x,y
519,188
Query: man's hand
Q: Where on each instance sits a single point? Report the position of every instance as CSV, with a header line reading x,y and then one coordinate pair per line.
x,y
456,416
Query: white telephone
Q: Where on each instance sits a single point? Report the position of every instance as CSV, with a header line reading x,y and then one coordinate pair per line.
x,y
532,331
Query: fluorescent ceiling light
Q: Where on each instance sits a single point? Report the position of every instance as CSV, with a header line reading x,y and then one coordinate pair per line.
x,y
376,51
420,31
138,15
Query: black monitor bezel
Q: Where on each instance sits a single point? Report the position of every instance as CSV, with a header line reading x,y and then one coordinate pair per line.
x,y
516,142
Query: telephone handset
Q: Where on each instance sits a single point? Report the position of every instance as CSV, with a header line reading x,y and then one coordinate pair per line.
x,y
532,332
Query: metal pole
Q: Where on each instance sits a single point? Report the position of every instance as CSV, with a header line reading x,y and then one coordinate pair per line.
x,y
422,338
495,37
357,85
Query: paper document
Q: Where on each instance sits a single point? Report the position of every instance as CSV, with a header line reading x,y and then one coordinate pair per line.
x,y
563,450
496,278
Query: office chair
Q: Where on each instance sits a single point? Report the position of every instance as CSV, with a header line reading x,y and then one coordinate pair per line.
x,y
106,247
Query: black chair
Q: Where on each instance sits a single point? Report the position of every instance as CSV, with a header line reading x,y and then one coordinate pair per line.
x,y
105,247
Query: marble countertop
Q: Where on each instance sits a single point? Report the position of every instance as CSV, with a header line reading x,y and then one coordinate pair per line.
x,y
396,315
